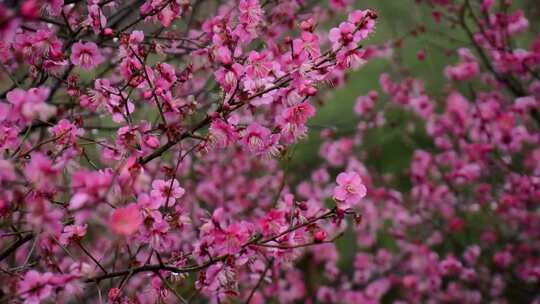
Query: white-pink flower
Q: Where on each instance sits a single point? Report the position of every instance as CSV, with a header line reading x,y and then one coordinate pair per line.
x,y
166,190
86,55
349,191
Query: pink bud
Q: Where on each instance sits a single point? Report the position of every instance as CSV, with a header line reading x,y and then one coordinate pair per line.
x,y
30,9
436,16
152,141
147,95
108,31
113,294
456,224
307,25
320,236
421,55
224,55
310,91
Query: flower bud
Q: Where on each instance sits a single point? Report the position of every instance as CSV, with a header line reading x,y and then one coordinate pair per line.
x,y
320,236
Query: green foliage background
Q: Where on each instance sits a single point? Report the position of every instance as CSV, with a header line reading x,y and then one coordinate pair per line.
x,y
396,19
390,148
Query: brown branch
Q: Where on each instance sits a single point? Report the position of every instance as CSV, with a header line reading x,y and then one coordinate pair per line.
x,y
153,268
13,247
38,145
261,279
141,61
91,257
511,83
515,88
159,151
171,288
273,238
288,247
194,268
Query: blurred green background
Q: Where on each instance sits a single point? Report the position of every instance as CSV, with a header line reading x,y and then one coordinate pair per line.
x,y
389,151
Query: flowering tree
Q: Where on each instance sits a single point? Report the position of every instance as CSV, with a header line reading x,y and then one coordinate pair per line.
x,y
145,149
142,146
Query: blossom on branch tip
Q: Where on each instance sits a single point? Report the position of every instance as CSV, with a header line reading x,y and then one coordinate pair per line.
x,y
86,55
260,140
349,190
163,191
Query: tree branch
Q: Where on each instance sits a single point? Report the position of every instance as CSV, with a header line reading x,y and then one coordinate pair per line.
x,y
13,247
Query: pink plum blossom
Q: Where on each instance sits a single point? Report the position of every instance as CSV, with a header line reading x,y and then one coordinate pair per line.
x,y
86,55
35,287
162,191
349,190
126,220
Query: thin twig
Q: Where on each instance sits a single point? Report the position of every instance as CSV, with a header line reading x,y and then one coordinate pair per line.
x,y
261,279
